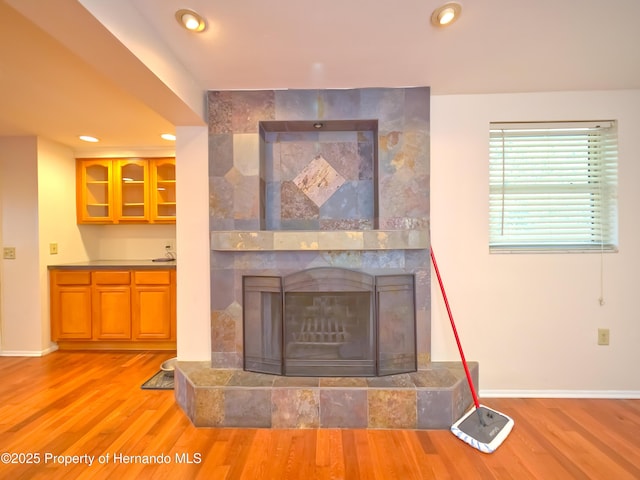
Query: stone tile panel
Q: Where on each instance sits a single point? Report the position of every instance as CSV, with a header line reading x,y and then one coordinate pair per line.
x,y
220,154
246,198
343,382
209,376
220,199
338,104
297,382
247,407
402,380
318,180
293,157
435,409
251,107
223,332
295,408
297,104
392,408
219,112
343,408
295,204
209,407
241,378
343,157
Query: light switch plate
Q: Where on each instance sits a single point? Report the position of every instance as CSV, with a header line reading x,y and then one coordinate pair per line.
x,y
603,336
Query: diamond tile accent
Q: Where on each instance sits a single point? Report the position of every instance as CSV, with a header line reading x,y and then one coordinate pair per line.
x,y
319,180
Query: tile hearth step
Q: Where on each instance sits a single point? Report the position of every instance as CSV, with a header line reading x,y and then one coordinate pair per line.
x,y
431,398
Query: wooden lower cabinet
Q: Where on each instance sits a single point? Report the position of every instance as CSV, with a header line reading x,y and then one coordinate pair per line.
x,y
71,305
153,296
113,309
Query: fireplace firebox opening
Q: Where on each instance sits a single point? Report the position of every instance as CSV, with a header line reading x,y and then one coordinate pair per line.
x,y
330,322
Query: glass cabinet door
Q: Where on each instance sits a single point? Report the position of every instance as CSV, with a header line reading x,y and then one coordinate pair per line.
x,y
132,190
163,190
94,191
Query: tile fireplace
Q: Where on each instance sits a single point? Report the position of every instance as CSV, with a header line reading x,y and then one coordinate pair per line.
x,y
328,188
287,196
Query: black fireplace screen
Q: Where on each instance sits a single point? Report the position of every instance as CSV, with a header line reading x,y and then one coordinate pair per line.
x,y
329,322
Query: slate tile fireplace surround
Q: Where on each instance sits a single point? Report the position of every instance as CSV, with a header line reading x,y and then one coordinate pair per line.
x,y
308,181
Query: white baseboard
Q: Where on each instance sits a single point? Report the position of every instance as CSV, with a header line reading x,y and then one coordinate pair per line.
x,y
28,353
613,394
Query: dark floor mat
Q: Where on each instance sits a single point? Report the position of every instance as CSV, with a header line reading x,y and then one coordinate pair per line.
x,y
160,381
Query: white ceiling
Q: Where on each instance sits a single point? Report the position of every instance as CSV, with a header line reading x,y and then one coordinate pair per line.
x,y
123,70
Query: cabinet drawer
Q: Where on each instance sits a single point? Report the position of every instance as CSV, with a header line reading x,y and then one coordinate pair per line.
x,y
146,277
111,278
72,278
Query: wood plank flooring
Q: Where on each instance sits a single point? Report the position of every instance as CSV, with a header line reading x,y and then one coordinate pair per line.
x,y
83,406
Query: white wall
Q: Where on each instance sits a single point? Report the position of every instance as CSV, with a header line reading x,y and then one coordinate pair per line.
x,y
126,242
194,253
531,320
20,301
56,220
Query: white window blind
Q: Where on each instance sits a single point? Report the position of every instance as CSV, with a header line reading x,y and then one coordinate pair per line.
x,y
553,186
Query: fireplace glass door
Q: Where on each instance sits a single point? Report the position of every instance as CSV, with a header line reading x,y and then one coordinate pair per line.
x,y
262,306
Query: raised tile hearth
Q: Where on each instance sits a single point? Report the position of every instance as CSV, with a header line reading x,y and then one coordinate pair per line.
x,y
431,398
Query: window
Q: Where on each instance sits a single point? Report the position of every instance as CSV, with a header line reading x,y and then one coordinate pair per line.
x,y
553,186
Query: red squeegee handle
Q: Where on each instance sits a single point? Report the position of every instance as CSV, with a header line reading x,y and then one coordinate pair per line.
x,y
476,402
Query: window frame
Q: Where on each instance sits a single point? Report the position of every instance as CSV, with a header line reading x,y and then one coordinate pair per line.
x,y
553,187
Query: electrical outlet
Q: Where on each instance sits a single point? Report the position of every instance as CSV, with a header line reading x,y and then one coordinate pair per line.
x,y
9,253
603,336
53,249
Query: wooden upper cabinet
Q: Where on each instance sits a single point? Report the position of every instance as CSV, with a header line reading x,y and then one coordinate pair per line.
x,y
126,190
132,190
163,190
94,191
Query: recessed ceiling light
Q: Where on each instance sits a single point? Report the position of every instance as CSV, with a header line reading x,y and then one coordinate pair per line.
x,y
191,20
168,136
88,138
446,14
318,125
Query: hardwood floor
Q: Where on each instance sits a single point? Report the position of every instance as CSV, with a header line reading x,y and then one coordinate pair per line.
x,y
91,406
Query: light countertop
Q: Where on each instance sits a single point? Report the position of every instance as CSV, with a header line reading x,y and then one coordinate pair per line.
x,y
114,264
